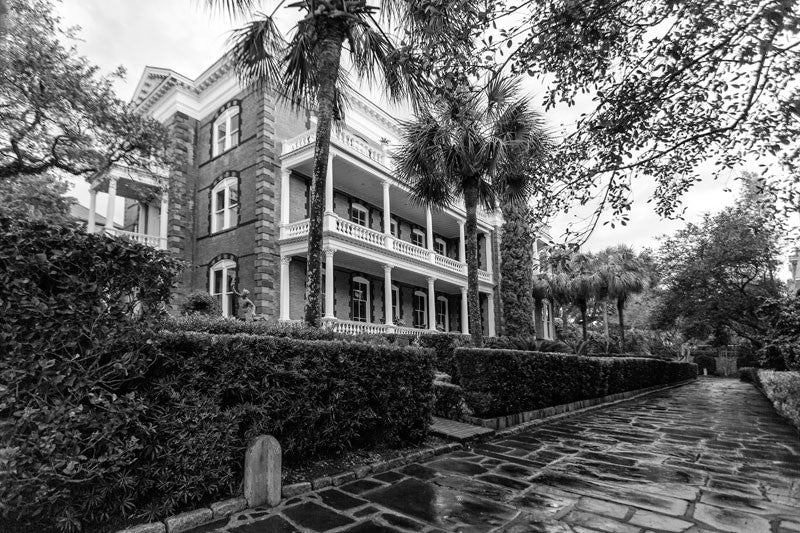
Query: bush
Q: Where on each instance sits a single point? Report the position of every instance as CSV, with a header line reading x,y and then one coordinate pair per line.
x,y
77,312
443,346
783,389
749,375
502,382
448,400
526,342
200,303
706,362
781,349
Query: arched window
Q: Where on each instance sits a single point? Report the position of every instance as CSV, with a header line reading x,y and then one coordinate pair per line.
x,y
225,131
223,274
359,294
359,214
440,246
442,314
418,237
420,309
225,204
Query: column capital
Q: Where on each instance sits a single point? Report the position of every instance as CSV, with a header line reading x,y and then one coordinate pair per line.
x,y
431,280
286,171
286,259
464,289
386,183
490,296
387,267
461,222
329,252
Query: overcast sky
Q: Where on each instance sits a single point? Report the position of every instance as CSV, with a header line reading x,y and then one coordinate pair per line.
x,y
184,36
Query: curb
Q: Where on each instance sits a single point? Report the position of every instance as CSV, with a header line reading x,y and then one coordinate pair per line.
x,y
575,412
222,510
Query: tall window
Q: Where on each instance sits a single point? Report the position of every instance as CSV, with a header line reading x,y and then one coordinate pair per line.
x,y
420,309
418,237
442,314
225,131
393,228
359,214
221,285
360,299
440,246
395,303
224,204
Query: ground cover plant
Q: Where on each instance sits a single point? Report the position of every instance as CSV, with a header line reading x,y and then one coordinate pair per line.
x,y
502,382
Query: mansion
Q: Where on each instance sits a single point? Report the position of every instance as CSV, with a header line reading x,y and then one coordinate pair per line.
x,y
235,210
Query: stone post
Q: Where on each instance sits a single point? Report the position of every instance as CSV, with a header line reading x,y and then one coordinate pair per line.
x,y
262,472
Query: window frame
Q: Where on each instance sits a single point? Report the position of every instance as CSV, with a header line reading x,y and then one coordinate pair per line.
x,y
396,303
423,324
436,242
228,210
355,207
446,322
231,138
228,267
394,228
416,232
364,281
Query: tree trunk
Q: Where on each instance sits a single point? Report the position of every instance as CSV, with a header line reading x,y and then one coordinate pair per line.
x,y
330,52
582,305
473,297
620,310
605,324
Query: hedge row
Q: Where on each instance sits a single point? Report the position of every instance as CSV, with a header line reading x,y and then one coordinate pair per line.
x,y
781,387
181,427
503,382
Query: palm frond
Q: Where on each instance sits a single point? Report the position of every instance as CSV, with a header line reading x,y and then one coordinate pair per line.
x,y
233,8
257,51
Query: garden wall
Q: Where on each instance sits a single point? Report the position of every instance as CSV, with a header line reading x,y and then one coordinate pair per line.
x,y
503,382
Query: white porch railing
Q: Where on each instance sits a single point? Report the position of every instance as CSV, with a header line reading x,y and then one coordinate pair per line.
x,y
484,276
343,137
410,250
358,232
150,240
448,263
351,327
295,229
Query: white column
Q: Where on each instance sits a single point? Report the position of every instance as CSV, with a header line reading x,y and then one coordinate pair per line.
x,y
141,218
91,224
163,220
388,309
489,252
431,304
112,201
429,228
285,260
462,251
330,312
387,214
329,186
490,313
464,312
285,186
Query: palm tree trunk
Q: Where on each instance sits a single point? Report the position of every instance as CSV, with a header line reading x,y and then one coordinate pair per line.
x,y
330,52
605,323
473,297
620,309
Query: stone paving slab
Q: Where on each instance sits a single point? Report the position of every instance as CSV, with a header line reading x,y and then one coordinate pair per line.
x,y
711,456
459,431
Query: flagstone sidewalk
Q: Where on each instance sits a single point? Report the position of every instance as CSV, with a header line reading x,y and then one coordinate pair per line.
x,y
708,456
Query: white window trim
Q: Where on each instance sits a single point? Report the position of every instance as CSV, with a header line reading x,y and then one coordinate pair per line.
x,y
446,312
225,265
394,228
396,307
359,279
421,233
439,240
425,321
231,138
360,208
228,210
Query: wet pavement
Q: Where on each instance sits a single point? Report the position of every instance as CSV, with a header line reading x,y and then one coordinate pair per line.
x,y
708,456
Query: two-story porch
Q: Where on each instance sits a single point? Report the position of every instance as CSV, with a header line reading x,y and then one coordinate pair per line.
x,y
390,264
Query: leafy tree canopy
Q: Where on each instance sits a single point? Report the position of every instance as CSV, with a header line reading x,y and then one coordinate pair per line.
x,y
675,84
56,111
719,272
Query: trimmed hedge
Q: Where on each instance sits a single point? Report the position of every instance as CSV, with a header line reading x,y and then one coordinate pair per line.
x,y
503,382
448,400
781,387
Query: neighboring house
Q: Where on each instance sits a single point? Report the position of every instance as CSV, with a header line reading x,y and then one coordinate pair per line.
x,y
794,267
237,209
81,214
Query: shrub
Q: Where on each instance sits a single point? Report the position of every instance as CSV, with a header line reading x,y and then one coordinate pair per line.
x,y
526,342
781,349
783,389
443,346
507,381
200,303
749,375
706,362
448,400
77,312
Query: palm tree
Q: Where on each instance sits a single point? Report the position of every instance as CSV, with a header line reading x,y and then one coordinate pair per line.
x,y
473,145
306,71
625,275
576,281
